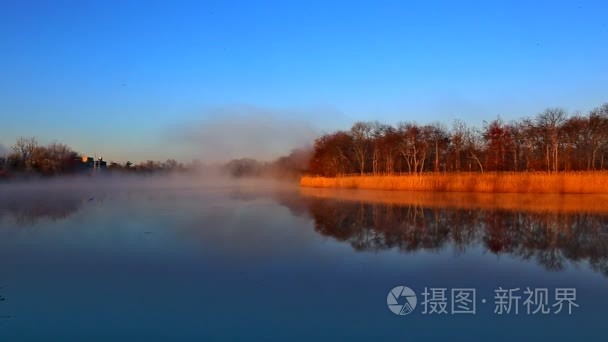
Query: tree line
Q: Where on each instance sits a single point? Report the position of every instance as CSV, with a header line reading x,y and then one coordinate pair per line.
x,y
552,141
290,166
27,157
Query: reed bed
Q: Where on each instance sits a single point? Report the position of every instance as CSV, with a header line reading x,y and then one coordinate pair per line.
x,y
489,182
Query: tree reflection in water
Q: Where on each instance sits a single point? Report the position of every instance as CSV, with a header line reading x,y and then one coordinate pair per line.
x,y
551,230
551,237
28,208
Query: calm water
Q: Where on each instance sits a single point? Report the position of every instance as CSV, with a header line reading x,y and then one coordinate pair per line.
x,y
200,263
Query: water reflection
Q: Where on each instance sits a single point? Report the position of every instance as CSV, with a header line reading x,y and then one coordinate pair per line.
x,y
27,208
551,230
549,233
150,262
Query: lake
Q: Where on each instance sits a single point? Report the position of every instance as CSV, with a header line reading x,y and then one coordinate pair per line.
x,y
274,262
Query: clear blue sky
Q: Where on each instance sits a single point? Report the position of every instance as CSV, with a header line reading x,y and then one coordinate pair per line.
x,y
113,77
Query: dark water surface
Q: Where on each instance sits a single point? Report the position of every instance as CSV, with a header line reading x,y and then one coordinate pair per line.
x,y
236,263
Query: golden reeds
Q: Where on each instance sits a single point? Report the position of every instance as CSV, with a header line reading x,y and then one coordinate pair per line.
x,y
490,182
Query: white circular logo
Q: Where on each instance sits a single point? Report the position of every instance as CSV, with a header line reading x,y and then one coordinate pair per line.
x,y
401,300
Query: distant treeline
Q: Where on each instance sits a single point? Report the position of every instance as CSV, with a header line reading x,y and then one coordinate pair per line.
x,y
552,141
28,158
293,165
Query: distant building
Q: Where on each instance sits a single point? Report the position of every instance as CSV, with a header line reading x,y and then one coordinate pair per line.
x,y
89,163
101,164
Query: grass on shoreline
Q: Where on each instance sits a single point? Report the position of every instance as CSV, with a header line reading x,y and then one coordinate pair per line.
x,y
490,182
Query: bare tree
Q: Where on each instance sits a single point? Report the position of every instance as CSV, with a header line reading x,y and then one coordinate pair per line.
x,y
550,122
474,146
459,132
389,143
361,133
23,149
498,143
598,132
331,154
437,134
53,159
413,146
377,133
576,144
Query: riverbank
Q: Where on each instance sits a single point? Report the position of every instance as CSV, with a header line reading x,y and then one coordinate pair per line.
x,y
490,182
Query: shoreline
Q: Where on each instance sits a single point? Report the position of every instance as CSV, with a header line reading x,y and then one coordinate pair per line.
x,y
591,182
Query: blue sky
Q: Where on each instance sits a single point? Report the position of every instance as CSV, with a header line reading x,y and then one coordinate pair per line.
x,y
122,78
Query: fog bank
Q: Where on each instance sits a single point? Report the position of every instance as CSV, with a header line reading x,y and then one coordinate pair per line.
x,y
222,134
